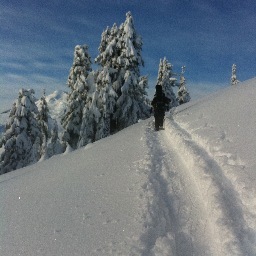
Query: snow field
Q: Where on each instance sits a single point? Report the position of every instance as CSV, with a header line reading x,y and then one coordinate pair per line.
x,y
225,208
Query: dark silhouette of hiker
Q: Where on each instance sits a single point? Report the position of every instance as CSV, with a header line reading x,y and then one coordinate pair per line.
x,y
159,103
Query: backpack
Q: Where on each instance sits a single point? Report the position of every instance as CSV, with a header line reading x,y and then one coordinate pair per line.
x,y
159,106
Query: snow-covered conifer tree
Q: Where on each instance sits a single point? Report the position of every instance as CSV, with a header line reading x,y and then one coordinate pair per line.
x,y
42,117
131,104
54,145
98,110
77,81
233,79
167,81
109,57
101,58
120,51
50,143
183,95
91,115
109,48
105,103
22,136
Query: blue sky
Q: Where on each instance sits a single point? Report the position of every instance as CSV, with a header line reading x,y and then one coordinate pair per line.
x,y
207,36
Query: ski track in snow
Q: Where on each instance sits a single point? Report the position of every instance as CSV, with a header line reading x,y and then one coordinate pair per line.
x,y
172,226
190,200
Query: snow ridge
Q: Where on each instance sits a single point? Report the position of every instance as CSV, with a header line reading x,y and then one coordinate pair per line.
x,y
224,206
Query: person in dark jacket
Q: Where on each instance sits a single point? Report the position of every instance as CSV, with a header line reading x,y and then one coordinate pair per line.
x,y
159,103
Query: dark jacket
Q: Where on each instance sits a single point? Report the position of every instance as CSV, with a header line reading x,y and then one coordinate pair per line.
x,y
159,103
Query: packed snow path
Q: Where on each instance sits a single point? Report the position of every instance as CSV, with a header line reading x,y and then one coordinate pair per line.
x,y
197,209
176,223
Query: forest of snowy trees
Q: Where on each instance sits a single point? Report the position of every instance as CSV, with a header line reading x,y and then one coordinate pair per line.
x,y
100,102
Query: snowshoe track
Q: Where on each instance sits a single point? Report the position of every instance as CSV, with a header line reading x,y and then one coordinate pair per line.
x,y
190,200
172,226
220,199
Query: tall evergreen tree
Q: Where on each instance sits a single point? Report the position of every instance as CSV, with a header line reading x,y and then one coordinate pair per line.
x,y
42,117
233,79
165,79
50,143
131,104
90,118
54,145
109,52
101,58
98,110
22,136
183,95
109,48
105,103
120,51
109,57
78,83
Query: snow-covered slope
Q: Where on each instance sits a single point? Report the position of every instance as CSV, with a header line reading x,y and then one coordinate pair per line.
x,y
186,190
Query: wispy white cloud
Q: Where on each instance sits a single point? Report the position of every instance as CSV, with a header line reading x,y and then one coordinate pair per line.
x,y
12,66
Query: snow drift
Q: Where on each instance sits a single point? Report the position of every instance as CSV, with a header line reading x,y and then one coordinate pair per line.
x,y
186,190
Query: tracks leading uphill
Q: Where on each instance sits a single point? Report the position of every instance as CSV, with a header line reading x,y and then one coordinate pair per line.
x,y
221,200
193,208
177,223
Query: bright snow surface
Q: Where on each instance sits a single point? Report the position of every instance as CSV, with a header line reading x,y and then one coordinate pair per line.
x,y
186,190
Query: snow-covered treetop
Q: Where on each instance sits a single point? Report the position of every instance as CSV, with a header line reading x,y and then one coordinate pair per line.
x,y
131,41
183,94
120,47
109,48
165,80
81,57
128,26
182,77
233,79
80,69
43,109
183,69
103,44
26,102
164,72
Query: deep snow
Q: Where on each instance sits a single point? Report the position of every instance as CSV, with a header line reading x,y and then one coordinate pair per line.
x,y
186,190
